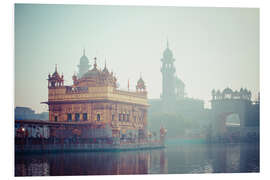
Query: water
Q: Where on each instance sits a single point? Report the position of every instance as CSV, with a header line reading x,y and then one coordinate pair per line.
x,y
175,159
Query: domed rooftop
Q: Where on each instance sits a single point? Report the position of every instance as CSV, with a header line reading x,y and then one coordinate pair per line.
x,y
140,84
167,54
91,73
105,70
55,74
140,81
179,81
227,91
96,72
84,59
96,76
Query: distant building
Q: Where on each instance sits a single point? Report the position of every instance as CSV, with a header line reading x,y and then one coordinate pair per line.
x,y
228,104
173,99
172,86
26,113
43,116
84,65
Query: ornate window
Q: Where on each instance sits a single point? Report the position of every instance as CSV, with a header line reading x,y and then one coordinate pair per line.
x,y
69,117
98,117
77,117
124,117
120,119
85,116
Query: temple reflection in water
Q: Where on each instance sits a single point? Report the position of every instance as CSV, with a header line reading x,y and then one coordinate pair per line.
x,y
175,159
105,163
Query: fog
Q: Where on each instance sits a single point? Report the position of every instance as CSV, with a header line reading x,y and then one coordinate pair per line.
x,y
213,47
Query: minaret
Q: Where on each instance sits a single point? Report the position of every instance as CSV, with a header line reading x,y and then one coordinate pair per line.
x,y
168,75
84,65
95,64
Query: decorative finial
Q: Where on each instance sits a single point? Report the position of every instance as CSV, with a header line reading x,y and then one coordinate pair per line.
x,y
140,74
128,84
83,51
55,67
105,64
167,43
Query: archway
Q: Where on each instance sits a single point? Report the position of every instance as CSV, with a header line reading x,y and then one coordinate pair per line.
x,y
228,127
232,119
230,111
233,124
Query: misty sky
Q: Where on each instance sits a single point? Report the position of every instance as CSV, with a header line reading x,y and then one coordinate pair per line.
x,y
213,47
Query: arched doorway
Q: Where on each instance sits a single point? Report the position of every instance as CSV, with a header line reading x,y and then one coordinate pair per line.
x,y
229,108
233,124
228,126
232,119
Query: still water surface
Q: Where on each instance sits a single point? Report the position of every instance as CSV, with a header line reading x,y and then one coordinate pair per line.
x,y
175,159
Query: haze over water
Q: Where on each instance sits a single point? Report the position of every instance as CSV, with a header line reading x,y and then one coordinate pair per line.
x,y
213,47
175,159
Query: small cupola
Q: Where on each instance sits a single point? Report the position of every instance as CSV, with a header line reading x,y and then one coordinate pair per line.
x,y
140,85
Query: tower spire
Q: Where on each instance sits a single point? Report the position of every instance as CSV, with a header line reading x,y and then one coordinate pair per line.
x,y
95,64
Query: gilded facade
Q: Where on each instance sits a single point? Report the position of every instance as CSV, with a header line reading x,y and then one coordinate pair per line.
x,y
95,99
